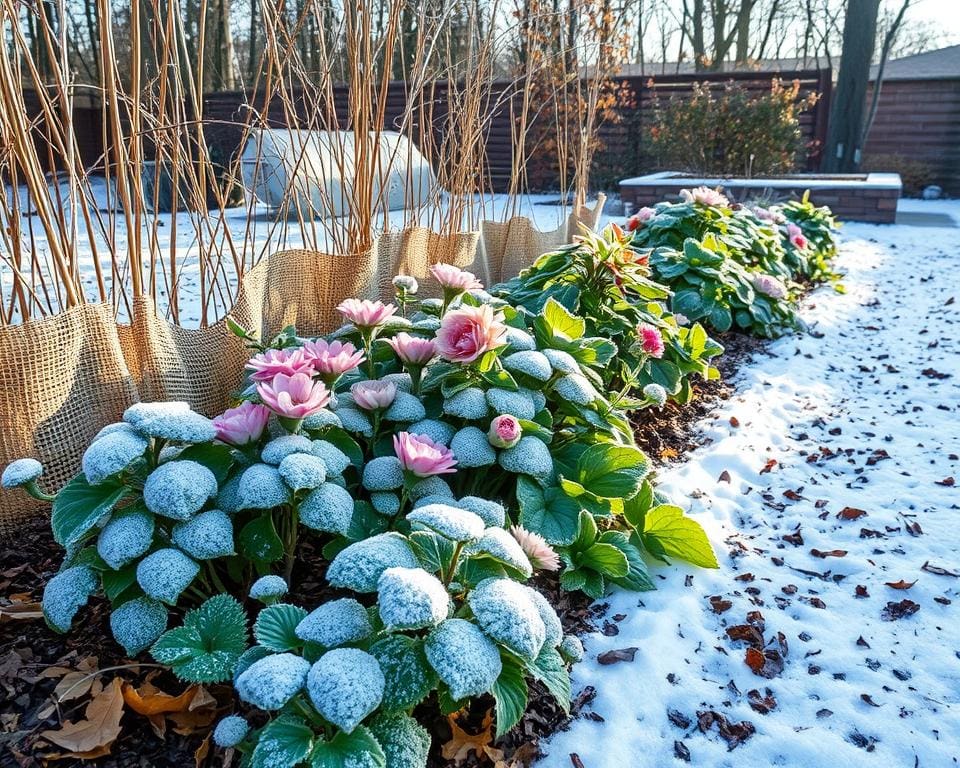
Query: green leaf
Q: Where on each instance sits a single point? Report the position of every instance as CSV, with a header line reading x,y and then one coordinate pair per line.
x,y
432,550
342,440
720,318
359,749
79,506
590,583
258,540
666,374
638,577
409,676
587,532
636,507
510,694
115,583
667,531
605,559
275,625
214,456
282,743
561,321
550,670
612,471
551,513
366,522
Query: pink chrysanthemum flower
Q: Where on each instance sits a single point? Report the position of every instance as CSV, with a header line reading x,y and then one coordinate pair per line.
x,y
540,554
640,218
466,334
454,278
293,397
268,364
796,236
365,313
650,340
332,359
413,350
421,456
242,425
374,395
704,196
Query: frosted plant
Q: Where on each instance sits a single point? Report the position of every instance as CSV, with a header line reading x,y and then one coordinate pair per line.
x,y
427,323
272,681
280,447
402,380
335,623
469,404
384,473
21,472
404,741
328,508
432,305
438,431
111,454
164,574
562,362
450,522
206,536
138,623
303,471
322,419
472,449
501,546
169,453
520,340
117,426
539,399
180,426
345,685
656,394
530,456
228,499
405,408
529,362
431,486
335,459
434,499
506,612
140,412
411,598
464,658
385,503
127,536
269,588
261,487
355,421
358,566
492,513
230,731
179,489
65,594
518,404
576,388
551,621
571,648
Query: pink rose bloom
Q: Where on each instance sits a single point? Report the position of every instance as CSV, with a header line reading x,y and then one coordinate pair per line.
x,y
704,196
651,342
374,395
413,350
293,397
796,237
505,432
366,313
466,334
454,279
242,425
540,554
268,364
640,218
421,456
768,285
332,359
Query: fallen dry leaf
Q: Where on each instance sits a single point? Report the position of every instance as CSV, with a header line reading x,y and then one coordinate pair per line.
x,y
895,611
900,584
461,743
851,513
828,553
621,654
99,729
20,612
936,570
150,700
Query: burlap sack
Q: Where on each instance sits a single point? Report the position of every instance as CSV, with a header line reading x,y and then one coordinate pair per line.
x,y
413,251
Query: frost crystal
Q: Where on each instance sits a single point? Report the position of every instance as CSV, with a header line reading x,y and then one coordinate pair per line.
x,y
530,456
464,658
229,497
261,487
431,486
65,593
500,545
335,459
139,412
507,613
433,305
230,731
272,681
321,420
529,362
562,362
118,426
402,381
571,648
411,598
328,508
384,473
179,489
539,399
576,388
520,340
427,324
111,454
385,503
405,407
355,421
180,426
335,623
208,535
405,742
280,447
164,574
21,472
472,449
518,404
551,621
469,404
358,566
655,393
450,522
138,623
270,587
492,513
345,685
438,431
127,536
303,471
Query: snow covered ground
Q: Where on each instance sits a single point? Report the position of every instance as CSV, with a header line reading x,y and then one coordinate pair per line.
x,y
826,478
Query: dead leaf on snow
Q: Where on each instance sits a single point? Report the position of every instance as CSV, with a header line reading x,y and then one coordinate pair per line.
x,y
621,654
823,554
99,728
899,610
900,584
937,570
851,513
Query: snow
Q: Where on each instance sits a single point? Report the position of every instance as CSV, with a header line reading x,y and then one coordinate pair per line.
x,y
507,613
345,685
335,623
463,657
178,489
138,623
411,598
821,406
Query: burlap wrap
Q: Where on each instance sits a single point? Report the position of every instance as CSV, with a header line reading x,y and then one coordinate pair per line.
x,y
65,377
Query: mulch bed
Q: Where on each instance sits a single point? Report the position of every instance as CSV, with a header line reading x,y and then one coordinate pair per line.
x,y
28,647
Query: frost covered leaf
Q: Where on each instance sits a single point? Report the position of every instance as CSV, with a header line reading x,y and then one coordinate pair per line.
x,y
335,623
405,408
261,487
549,669
530,456
576,388
407,674
179,489
230,731
272,681
20,472
205,536
505,401
510,694
170,421
450,522
520,340
551,620
438,431
385,503
384,473
345,685
258,540
469,404
125,537
165,573
571,649
78,508
283,742
354,420
208,644
463,657
112,454
562,362
359,749
275,627
247,658
472,449
328,508
267,588
279,448
492,513
667,532
430,486
138,623
303,471
507,613
405,743
321,419
411,598
531,363
358,566
335,459
502,547
65,594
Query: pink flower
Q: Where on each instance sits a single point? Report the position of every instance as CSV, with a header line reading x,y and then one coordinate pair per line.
x,y
466,334
332,359
704,196
651,342
421,456
640,218
796,237
374,395
454,279
505,432
768,285
366,313
242,425
413,350
268,364
540,554
293,397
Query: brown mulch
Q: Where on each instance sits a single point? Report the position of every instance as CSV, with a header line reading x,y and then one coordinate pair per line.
x,y
28,647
